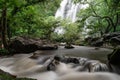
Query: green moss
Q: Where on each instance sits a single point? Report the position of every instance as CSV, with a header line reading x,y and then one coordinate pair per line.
x,y
4,76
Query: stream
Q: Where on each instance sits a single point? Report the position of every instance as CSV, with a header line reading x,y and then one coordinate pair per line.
x,y
22,66
83,51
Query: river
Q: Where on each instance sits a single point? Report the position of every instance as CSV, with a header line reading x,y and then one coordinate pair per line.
x,y
22,66
83,51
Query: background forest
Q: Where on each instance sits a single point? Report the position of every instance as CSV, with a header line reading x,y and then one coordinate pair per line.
x,y
35,18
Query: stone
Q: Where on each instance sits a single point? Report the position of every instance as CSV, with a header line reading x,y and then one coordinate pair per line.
x,y
28,45
115,40
69,47
97,43
108,36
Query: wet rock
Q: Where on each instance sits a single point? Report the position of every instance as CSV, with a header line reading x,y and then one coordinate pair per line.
x,y
110,35
115,40
67,59
27,45
36,54
69,47
94,66
48,47
97,43
82,64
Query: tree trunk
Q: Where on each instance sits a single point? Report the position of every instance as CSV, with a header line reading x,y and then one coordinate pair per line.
x,y
116,23
4,26
108,28
111,23
9,35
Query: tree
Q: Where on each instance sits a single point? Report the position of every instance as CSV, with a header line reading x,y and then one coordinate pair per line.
x,y
18,16
102,16
48,26
71,32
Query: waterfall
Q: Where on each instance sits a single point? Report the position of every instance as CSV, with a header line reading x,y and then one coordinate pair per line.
x,y
68,10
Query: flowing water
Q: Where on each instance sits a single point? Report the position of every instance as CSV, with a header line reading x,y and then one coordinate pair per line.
x,y
68,10
83,51
22,66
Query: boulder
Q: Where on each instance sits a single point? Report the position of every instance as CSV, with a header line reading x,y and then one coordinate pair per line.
x,y
112,38
97,43
69,47
115,40
28,45
108,36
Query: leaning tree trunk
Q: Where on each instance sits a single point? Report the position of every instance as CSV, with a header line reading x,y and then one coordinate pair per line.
x,y
111,23
4,26
116,23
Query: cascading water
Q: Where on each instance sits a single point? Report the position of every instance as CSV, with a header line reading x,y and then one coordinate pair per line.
x,y
68,10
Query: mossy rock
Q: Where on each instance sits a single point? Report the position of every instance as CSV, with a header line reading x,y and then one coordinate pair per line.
x,y
7,76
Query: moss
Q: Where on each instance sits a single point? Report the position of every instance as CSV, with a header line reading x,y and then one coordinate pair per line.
x,y
7,76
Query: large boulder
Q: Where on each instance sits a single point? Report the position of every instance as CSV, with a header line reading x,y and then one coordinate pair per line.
x,y
108,36
27,45
115,40
97,43
112,38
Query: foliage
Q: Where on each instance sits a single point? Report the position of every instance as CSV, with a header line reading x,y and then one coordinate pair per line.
x,y
34,19
24,17
71,32
55,37
102,16
48,26
3,52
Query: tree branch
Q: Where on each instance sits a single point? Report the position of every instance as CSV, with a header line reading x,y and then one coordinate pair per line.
x,y
117,19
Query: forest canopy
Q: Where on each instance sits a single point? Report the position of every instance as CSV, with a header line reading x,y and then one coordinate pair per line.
x,y
35,18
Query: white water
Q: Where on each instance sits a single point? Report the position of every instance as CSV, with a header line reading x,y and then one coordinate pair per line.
x,y
63,71
22,66
68,10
